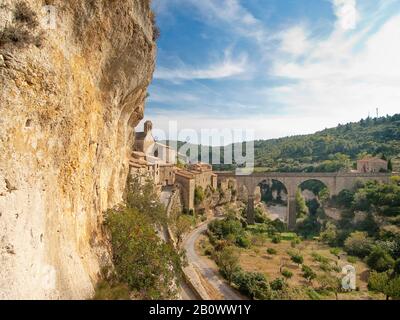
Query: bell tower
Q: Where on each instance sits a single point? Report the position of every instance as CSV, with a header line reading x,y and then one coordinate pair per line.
x,y
148,127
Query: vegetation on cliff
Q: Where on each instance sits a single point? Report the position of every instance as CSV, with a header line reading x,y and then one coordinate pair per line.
x,y
145,264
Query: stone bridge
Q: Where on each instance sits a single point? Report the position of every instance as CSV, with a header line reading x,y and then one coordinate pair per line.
x,y
335,182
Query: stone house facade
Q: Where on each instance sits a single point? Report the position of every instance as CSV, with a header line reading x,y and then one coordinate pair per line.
x,y
371,165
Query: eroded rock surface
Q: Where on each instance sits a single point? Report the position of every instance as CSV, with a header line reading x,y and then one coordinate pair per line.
x,y
70,98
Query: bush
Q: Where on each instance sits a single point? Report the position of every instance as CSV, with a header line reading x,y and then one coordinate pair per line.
x,y
142,260
380,260
278,284
358,244
313,295
335,251
296,257
229,228
252,284
271,251
228,261
308,273
21,33
384,283
243,241
324,266
25,15
107,291
276,239
198,195
319,258
287,274
329,235
352,259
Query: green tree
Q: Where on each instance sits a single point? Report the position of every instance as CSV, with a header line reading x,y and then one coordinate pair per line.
x,y
308,273
358,244
297,258
329,235
228,261
148,265
380,260
198,195
302,209
384,283
182,225
141,195
287,273
330,282
390,165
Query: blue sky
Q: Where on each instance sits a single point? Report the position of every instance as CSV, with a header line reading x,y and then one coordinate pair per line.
x,y
278,67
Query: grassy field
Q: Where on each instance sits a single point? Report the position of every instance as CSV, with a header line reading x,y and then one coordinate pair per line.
x,y
256,259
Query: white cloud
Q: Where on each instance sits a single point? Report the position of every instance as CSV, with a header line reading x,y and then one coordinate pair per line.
x,y
294,41
227,68
340,82
347,13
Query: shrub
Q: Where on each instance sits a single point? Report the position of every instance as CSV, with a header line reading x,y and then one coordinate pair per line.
x,y
228,261
296,257
287,274
271,251
243,241
313,295
198,195
107,291
25,15
382,282
276,239
258,239
156,29
380,260
324,266
148,265
329,235
17,36
335,251
352,259
278,284
319,258
358,244
308,273
252,284
278,225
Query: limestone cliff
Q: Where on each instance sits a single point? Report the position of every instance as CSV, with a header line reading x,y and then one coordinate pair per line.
x,y
70,96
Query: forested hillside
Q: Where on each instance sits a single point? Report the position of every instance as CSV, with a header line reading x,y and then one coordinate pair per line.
x,y
329,150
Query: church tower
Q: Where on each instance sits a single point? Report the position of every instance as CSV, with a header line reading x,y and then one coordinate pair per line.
x,y
148,127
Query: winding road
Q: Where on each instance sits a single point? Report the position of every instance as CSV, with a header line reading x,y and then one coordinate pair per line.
x,y
202,265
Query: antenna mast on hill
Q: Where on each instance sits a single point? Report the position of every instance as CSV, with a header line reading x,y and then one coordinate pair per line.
x,y
377,112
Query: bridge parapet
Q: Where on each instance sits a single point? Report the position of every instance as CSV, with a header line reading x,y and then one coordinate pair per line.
x,y
334,181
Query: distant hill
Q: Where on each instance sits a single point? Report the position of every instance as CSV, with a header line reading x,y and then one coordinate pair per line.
x,y
328,150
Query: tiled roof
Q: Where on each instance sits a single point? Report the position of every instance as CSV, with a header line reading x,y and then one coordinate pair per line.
x,y
373,159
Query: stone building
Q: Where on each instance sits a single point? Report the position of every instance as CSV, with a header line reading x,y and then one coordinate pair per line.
x,y
371,165
196,175
152,158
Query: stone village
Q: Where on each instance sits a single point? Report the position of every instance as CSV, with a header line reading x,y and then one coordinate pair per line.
x,y
202,189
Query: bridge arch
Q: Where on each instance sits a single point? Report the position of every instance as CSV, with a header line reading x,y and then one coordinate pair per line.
x,y
335,182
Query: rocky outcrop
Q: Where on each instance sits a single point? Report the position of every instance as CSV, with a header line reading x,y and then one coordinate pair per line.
x,y
71,94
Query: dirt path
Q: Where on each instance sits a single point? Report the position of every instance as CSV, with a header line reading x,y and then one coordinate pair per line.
x,y
201,264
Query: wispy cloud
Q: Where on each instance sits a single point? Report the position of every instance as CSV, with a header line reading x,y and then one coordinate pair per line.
x,y
347,13
290,78
227,68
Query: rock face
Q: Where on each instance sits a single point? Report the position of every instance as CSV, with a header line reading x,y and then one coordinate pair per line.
x,y
71,94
